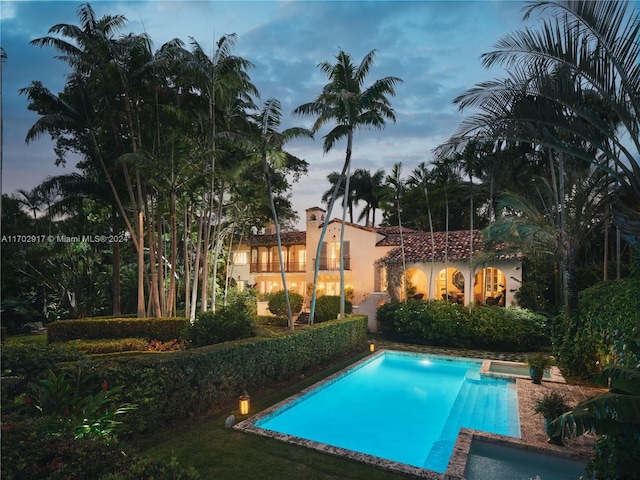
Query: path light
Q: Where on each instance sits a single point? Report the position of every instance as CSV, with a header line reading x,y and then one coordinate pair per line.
x,y
244,404
372,346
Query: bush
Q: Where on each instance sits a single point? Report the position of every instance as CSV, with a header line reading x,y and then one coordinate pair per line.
x,y
448,324
605,320
181,384
102,328
226,324
278,303
328,308
30,451
32,361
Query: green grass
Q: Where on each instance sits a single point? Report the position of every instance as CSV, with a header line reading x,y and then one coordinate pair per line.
x,y
217,452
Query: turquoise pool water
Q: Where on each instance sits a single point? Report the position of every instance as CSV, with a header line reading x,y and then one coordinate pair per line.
x,y
407,408
488,461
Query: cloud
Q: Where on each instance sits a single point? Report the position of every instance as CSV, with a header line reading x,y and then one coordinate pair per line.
x,y
434,46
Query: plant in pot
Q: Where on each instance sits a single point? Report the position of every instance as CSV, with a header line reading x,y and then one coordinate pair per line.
x,y
538,363
551,406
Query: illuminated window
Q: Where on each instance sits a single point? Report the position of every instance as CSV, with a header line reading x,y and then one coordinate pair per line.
x,y
240,258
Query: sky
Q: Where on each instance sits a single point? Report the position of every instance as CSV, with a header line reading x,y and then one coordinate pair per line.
x,y
433,46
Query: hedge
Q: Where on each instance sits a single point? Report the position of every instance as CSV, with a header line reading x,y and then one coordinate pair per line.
x,y
328,308
607,317
168,387
163,329
447,324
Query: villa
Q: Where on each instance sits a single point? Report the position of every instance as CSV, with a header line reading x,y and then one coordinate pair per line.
x,y
373,264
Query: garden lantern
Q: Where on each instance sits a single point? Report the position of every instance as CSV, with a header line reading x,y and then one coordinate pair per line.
x,y
244,404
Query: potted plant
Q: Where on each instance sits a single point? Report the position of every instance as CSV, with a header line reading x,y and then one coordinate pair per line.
x,y
551,406
538,364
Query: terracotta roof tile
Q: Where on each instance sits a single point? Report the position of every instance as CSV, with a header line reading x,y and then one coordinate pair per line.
x,y
287,238
417,247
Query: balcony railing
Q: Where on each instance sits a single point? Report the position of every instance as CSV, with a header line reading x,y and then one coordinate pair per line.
x,y
334,263
274,267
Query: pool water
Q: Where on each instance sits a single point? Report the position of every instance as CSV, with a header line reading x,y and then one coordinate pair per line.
x,y
407,408
516,369
488,461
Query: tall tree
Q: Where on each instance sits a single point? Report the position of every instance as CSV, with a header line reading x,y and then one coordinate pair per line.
x,y
597,42
368,188
393,188
273,157
345,101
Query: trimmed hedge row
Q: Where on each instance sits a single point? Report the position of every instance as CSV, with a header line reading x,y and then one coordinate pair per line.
x,y
163,329
167,387
447,324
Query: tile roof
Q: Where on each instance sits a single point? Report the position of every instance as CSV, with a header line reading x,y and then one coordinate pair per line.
x,y
392,235
287,239
417,247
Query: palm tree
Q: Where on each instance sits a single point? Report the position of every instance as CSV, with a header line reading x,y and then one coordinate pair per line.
x,y
597,43
367,187
533,225
32,200
89,98
614,417
222,82
273,157
345,101
393,192
336,179
419,178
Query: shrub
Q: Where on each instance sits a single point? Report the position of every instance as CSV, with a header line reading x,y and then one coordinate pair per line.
x,y
328,308
448,324
29,450
32,361
101,328
278,303
605,320
226,324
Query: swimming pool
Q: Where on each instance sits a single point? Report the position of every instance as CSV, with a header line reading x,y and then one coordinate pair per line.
x,y
402,407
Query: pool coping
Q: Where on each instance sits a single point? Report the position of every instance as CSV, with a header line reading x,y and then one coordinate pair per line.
x,y
530,438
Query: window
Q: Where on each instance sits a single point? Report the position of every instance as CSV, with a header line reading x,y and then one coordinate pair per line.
x,y
240,258
297,258
330,256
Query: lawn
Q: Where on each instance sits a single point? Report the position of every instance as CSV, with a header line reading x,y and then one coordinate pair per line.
x,y
216,452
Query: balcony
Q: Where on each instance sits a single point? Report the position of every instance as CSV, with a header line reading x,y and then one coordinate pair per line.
x,y
329,264
274,267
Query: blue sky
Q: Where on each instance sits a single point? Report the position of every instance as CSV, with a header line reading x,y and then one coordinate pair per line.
x,y
434,46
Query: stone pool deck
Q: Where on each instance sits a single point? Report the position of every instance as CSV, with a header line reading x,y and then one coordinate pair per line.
x,y
532,430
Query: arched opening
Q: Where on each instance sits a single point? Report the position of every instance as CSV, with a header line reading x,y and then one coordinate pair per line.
x,y
450,285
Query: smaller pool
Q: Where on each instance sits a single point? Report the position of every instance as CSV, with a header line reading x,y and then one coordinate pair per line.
x,y
519,369
492,461
501,368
